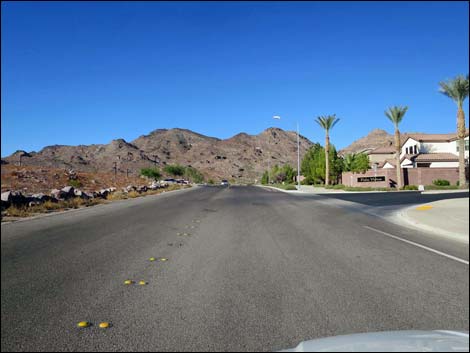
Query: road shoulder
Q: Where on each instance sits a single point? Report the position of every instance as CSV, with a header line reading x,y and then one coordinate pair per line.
x,y
99,206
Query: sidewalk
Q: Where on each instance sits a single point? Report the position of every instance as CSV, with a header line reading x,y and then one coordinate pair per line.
x,y
445,217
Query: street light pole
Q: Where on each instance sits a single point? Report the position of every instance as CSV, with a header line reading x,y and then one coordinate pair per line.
x,y
298,158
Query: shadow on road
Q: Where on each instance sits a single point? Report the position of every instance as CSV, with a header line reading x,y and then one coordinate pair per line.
x,y
395,198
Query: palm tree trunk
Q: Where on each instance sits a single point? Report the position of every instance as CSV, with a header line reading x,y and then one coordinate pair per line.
x,y
398,148
327,159
461,142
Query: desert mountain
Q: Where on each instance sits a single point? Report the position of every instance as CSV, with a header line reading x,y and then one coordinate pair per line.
x,y
376,138
242,157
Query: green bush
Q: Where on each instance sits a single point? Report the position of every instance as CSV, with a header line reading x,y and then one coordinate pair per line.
x,y
174,169
193,175
75,183
410,187
290,187
152,173
441,182
336,187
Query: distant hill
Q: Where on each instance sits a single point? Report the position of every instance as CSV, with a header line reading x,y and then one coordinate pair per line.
x,y
242,157
375,138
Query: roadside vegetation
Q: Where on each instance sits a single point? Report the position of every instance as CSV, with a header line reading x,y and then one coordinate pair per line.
x,y
279,175
77,202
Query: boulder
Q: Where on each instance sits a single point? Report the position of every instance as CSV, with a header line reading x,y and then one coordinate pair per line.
x,y
41,197
58,194
13,198
154,185
81,194
130,188
103,193
142,188
69,191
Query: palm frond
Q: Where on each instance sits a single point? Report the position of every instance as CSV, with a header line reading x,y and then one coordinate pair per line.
x,y
327,122
456,89
395,114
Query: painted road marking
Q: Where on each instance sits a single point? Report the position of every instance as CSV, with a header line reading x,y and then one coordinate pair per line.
x,y
424,208
419,246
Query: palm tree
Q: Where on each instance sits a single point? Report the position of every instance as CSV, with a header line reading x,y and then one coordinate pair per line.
x,y
457,90
327,123
396,114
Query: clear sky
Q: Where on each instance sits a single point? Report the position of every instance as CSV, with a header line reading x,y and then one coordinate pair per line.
x,y
89,72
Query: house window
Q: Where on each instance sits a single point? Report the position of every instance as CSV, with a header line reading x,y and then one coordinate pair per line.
x,y
416,149
466,145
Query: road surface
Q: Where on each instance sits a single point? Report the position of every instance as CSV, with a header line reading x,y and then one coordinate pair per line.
x,y
258,270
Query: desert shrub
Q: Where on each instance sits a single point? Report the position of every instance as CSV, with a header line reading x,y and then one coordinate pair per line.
x,y
174,169
152,173
441,182
75,183
117,196
290,187
410,187
133,194
15,211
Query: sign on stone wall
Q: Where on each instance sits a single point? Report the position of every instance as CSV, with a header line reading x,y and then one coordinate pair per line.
x,y
370,179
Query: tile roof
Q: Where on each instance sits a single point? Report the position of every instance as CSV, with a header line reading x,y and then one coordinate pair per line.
x,y
435,137
436,157
383,150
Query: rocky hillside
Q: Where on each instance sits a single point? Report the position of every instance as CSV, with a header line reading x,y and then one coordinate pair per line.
x,y
241,158
375,138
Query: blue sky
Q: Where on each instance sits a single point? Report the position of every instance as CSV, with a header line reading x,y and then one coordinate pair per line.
x,y
89,72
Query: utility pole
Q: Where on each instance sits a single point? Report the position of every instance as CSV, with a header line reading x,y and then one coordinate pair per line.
x,y
115,170
20,159
127,173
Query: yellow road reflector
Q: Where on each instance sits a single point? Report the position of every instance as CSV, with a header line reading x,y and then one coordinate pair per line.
x,y
142,283
152,259
104,325
163,259
424,208
83,324
128,282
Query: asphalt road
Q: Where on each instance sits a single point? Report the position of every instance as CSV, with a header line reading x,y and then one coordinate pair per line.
x,y
259,270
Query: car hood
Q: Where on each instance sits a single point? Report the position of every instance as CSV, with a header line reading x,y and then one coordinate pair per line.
x,y
391,341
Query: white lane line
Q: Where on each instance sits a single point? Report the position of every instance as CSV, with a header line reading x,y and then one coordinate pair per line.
x,y
419,245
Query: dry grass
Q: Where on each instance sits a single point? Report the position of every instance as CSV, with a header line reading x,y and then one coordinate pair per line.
x,y
133,194
118,195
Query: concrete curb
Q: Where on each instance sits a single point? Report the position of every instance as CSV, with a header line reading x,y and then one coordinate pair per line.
x,y
333,191
402,215
444,191
57,213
